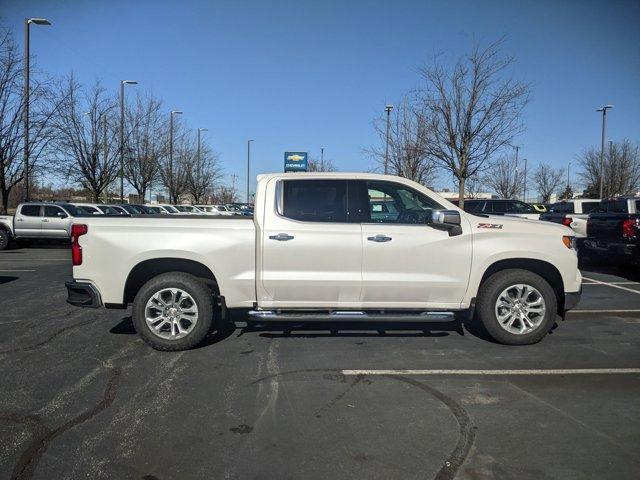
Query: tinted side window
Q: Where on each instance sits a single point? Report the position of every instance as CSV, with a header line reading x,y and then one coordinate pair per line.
x,y
516,206
588,207
315,200
496,207
396,203
473,206
51,211
30,210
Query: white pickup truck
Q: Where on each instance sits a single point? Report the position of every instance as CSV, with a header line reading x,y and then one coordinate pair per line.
x,y
316,249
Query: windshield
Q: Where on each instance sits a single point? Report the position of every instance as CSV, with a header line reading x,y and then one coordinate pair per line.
x,y
170,209
73,210
88,209
108,210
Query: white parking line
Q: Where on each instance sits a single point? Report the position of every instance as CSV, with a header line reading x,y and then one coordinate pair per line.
x,y
605,311
562,371
612,285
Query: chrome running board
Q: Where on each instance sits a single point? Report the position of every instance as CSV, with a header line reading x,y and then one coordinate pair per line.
x,y
347,315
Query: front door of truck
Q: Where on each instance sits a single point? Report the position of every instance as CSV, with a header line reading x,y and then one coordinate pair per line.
x,y
407,263
311,253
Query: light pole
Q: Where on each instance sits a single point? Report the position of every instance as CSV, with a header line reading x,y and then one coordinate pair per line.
x,y
171,179
517,147
200,130
322,156
27,22
248,164
524,190
568,173
122,84
602,109
387,109
199,165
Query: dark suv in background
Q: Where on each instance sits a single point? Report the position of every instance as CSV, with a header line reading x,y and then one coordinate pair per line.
x,y
514,208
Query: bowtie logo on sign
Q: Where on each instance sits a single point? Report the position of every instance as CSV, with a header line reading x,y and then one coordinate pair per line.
x,y
295,161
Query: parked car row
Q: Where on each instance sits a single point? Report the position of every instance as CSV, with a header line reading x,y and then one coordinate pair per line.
x,y
38,220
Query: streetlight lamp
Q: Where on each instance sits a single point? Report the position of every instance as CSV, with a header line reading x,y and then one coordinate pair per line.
x,y
27,23
171,179
387,109
602,109
122,84
248,164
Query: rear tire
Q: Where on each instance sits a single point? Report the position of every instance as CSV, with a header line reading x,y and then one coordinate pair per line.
x,y
516,307
4,239
173,311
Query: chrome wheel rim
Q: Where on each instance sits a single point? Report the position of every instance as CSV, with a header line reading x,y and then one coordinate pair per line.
x,y
520,309
171,313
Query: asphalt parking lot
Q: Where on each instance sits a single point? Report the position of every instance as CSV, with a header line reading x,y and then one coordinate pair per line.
x,y
83,397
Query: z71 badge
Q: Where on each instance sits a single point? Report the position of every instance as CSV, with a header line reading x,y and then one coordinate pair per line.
x,y
490,225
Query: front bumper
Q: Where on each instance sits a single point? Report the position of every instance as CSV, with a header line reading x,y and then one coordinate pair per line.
x,y
83,294
571,299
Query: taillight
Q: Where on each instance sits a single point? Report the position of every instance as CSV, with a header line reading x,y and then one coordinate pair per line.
x,y
628,230
77,230
566,221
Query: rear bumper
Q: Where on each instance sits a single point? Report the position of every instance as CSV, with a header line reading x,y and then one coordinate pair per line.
x,y
571,299
83,294
614,249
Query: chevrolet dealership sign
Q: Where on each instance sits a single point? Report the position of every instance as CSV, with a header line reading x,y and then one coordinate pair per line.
x,y
295,161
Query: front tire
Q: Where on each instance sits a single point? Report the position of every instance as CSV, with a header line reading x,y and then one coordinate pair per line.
x,y
173,311
516,307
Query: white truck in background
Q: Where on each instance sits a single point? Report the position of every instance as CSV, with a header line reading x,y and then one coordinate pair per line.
x,y
316,249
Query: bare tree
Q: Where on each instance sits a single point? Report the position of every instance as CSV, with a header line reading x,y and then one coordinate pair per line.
x,y
42,107
146,143
621,170
202,173
472,112
86,136
547,180
320,165
224,194
473,186
408,139
503,178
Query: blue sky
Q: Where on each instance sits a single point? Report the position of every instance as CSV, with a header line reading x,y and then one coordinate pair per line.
x,y
298,75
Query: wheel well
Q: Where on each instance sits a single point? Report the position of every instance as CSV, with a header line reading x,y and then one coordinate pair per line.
x,y
145,271
545,269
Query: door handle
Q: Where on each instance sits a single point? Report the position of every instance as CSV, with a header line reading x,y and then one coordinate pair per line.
x,y
45,220
379,238
19,220
281,237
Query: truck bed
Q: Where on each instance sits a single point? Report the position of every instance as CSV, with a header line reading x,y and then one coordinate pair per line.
x,y
226,245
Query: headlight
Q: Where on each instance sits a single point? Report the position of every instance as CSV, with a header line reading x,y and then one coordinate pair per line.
x,y
569,241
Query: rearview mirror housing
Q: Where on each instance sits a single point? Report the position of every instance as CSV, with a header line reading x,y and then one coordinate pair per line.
x,y
447,220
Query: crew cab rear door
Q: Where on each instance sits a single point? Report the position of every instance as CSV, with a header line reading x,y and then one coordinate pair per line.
x,y
27,222
407,263
311,253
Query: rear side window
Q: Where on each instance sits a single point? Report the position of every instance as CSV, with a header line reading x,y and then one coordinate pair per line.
x,y
516,206
615,206
315,200
51,211
496,207
588,207
472,206
30,210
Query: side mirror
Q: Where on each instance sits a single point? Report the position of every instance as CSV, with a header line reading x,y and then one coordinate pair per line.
x,y
62,215
447,220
